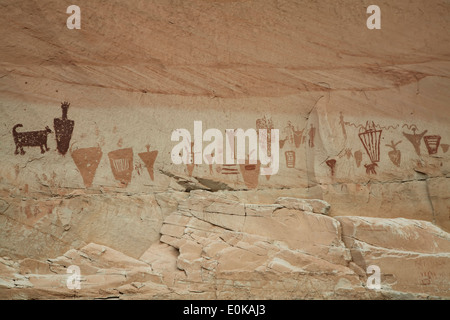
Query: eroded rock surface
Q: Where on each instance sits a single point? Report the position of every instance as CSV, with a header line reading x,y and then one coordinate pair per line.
x,y
212,247
87,178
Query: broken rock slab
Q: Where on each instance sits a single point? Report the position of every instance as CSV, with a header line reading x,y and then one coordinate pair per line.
x,y
290,221
313,205
413,255
214,247
104,273
255,250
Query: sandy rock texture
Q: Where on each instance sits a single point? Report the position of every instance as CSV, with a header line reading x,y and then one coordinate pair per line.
x,y
214,247
87,178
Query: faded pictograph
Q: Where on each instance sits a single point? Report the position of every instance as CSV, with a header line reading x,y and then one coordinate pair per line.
x,y
311,134
346,164
432,143
266,123
231,169
331,163
370,168
30,139
370,137
87,161
121,162
138,168
250,174
282,142
347,153
290,159
63,129
298,136
210,158
358,157
395,155
342,123
444,147
427,277
33,212
149,158
414,138
292,136
190,166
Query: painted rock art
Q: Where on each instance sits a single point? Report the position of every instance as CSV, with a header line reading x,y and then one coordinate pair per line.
x,y
250,174
266,123
358,158
190,167
445,147
292,136
432,143
395,155
229,169
267,176
138,168
370,168
332,164
210,158
312,134
290,159
288,132
34,213
87,161
30,139
347,153
298,135
63,129
121,162
415,139
149,158
342,123
370,138
427,278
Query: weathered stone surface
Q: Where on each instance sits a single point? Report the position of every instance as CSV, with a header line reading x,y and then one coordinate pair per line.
x,y
276,253
104,273
414,255
364,160
313,205
47,227
440,201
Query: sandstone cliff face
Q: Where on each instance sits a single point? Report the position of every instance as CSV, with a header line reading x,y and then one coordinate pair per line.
x,y
364,169
213,247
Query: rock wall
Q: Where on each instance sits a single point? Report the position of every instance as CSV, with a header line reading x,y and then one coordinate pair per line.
x,y
363,120
213,247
